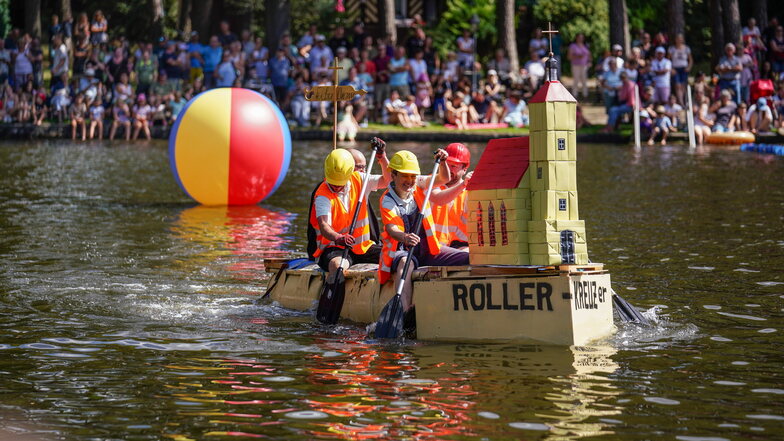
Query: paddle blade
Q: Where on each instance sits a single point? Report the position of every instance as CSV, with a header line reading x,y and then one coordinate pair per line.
x,y
331,300
628,312
390,323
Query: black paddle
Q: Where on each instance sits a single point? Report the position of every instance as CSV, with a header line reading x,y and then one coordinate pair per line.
x,y
333,293
390,323
626,311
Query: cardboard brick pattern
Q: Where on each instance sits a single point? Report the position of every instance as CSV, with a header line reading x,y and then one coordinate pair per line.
x,y
522,200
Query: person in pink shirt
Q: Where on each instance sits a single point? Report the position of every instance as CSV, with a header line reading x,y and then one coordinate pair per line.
x,y
580,57
626,103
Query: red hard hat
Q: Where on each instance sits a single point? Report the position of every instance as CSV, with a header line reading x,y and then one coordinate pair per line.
x,y
458,153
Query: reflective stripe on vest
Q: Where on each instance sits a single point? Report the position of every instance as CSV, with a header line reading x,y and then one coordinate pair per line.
x,y
450,220
341,218
390,245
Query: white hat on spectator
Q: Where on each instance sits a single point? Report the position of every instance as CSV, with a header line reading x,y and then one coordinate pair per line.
x,y
89,72
491,73
617,47
660,50
320,37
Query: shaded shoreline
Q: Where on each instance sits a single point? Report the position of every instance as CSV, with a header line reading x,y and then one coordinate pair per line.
x,y
10,131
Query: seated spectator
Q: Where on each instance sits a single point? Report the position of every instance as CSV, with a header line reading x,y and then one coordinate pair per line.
x,y
424,92
141,117
481,110
176,105
96,118
322,107
121,117
40,109
611,84
662,125
457,111
78,113
493,87
673,110
724,109
513,112
158,112
348,126
702,119
760,116
741,117
394,111
412,111
625,100
300,108
61,100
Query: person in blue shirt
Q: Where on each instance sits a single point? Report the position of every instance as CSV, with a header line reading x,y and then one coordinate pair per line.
x,y
197,67
210,56
279,67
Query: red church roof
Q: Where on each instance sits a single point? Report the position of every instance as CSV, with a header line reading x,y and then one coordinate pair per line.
x,y
552,91
503,164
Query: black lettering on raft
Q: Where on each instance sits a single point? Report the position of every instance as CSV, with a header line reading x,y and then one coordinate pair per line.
x,y
459,293
480,297
524,296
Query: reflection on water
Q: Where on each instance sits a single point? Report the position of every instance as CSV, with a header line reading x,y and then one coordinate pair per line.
x,y
249,233
350,389
128,313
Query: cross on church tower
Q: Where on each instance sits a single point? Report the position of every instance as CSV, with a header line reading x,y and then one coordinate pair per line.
x,y
550,31
551,66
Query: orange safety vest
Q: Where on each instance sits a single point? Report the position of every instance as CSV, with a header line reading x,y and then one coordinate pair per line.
x,y
389,245
450,219
341,218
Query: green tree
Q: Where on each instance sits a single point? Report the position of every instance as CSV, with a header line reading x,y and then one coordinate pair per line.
x,y
572,17
5,17
457,17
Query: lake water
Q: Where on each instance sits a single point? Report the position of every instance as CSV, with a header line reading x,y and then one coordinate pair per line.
x,y
128,312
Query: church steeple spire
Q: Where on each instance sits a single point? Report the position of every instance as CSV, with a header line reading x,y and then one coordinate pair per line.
x,y
551,65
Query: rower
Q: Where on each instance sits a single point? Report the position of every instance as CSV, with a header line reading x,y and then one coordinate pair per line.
x,y
400,204
360,165
449,200
333,208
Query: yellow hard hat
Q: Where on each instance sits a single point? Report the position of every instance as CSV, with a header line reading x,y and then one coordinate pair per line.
x,y
405,162
338,167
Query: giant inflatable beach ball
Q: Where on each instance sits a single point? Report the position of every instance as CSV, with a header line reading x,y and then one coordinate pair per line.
x,y
230,147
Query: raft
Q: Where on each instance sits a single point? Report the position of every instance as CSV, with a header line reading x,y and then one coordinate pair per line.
x,y
730,138
559,305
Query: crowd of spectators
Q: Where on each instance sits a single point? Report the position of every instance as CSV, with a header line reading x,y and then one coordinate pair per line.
x,y
99,83
744,93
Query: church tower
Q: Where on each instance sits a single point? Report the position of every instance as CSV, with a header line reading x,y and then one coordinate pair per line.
x,y
556,235
522,198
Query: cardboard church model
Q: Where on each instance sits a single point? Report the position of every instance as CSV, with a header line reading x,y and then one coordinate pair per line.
x,y
523,194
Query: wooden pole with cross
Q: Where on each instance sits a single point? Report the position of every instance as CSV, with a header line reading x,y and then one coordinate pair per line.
x,y
335,94
550,31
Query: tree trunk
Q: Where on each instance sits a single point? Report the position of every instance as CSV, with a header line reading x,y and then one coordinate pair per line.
x,y
759,10
676,24
619,25
65,10
184,17
200,14
717,31
33,17
157,18
278,22
731,21
387,8
505,12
